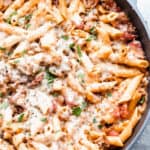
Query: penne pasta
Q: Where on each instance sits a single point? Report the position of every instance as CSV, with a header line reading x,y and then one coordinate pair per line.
x,y
63,8
116,141
126,133
101,87
129,92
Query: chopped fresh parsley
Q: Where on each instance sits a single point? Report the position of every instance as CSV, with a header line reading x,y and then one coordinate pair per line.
x,y
142,100
91,37
55,94
13,13
23,52
109,94
27,26
9,53
79,51
81,77
94,120
28,17
16,61
76,111
44,119
93,34
4,105
8,20
84,105
2,48
20,117
65,37
93,31
71,46
100,126
50,77
1,94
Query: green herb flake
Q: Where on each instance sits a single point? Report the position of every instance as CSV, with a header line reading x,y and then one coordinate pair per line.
x,y
23,52
79,51
8,20
100,126
50,77
142,100
71,46
2,48
1,94
4,105
55,94
27,26
76,111
20,118
90,38
44,119
16,61
109,94
1,116
84,105
81,75
94,120
93,31
28,17
13,13
65,37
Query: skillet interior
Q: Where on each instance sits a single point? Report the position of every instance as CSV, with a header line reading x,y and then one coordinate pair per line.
x,y
144,36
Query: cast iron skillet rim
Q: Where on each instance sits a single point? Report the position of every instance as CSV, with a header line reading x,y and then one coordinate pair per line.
x,y
145,39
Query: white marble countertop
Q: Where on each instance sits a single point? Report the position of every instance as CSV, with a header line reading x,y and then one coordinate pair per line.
x,y
143,143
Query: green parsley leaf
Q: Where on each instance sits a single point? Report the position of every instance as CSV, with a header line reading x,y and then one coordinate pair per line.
x,y
79,51
1,116
55,94
16,61
50,77
1,94
23,52
84,105
13,13
142,100
100,126
9,53
44,119
90,38
4,105
81,75
76,111
2,48
20,118
71,46
94,120
8,20
109,94
65,37
27,26
93,31
28,17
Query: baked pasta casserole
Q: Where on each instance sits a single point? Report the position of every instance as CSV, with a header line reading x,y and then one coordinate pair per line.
x,y
73,75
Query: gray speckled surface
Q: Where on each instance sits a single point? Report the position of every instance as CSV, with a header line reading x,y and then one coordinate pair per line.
x,y
143,143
